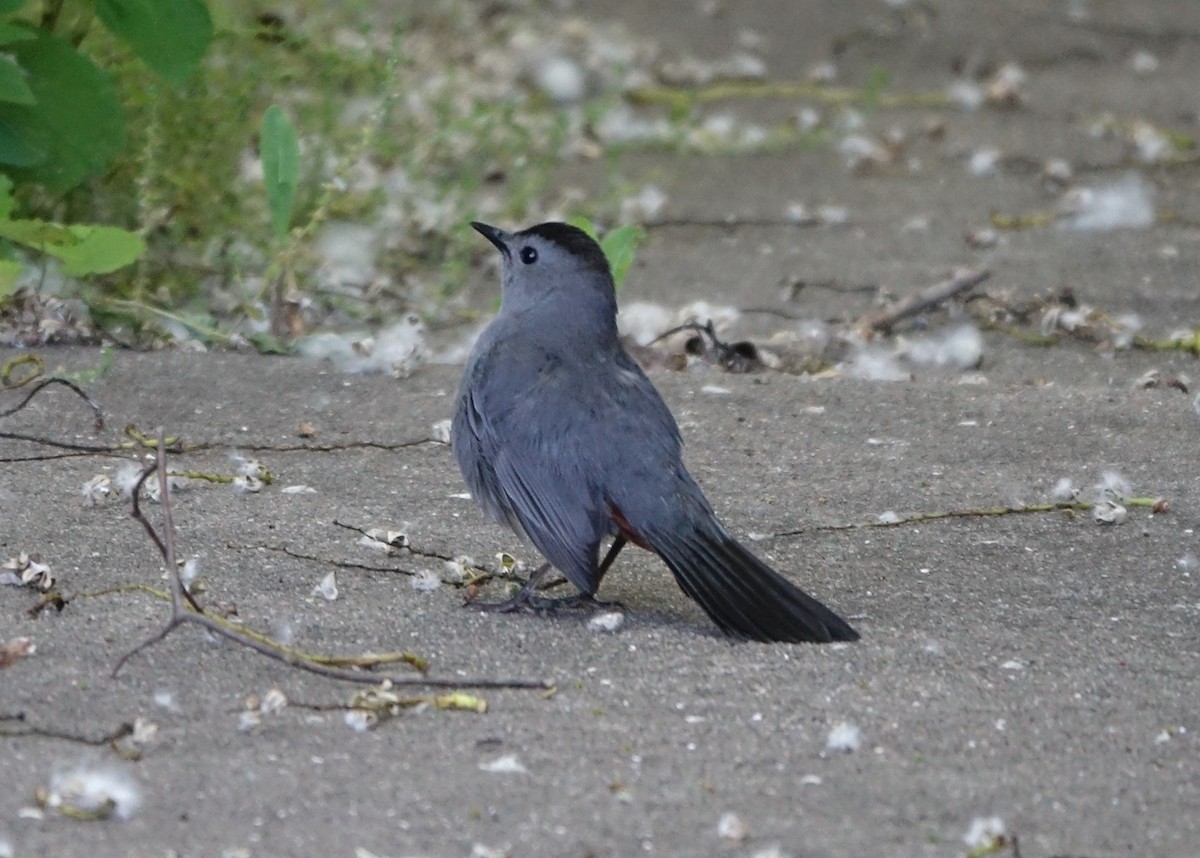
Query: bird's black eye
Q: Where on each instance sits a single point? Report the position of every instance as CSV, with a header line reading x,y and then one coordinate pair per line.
x,y
528,255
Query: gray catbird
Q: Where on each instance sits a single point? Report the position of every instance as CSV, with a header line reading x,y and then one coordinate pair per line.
x,y
561,436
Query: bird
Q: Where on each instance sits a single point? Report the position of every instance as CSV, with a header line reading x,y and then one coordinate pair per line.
x,y
562,437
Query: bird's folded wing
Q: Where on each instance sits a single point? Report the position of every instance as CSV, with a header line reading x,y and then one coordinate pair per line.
x,y
538,478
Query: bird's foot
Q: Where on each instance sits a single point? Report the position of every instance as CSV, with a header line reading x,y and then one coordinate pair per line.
x,y
591,603
526,600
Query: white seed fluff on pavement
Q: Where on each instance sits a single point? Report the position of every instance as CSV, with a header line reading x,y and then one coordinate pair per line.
x,y
504,765
95,790
843,738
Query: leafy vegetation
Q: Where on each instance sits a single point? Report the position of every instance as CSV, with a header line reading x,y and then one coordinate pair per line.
x,y
183,171
212,150
620,245
61,119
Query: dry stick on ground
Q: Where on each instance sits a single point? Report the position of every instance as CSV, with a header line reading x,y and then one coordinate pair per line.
x,y
482,578
179,448
181,613
8,382
46,382
984,512
682,96
735,356
24,728
883,320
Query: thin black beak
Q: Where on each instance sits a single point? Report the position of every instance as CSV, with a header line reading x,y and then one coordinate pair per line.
x,y
495,236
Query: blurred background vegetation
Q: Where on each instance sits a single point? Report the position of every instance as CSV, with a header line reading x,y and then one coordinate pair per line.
x,y
130,132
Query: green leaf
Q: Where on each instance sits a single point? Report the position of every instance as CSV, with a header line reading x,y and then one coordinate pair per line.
x,y
14,32
877,82
12,83
7,203
15,150
81,249
75,127
10,270
280,155
170,36
37,234
269,345
99,250
620,246
584,223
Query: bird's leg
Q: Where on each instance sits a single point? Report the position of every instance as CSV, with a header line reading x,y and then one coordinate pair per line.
x,y
584,600
609,557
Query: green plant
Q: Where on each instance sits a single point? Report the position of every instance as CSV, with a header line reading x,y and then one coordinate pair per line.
x,y
280,153
82,249
61,117
619,245
403,121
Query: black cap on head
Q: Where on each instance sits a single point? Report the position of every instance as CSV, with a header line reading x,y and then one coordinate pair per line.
x,y
573,240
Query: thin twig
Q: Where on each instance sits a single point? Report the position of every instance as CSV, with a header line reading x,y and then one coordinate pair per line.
x,y
432,555
736,357
49,457
43,384
9,382
317,558
883,320
483,577
77,449
983,512
179,448
184,609
27,729
137,510
682,97
695,327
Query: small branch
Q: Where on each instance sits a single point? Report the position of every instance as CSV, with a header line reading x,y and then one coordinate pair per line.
x,y
184,609
49,457
8,383
76,449
27,729
314,448
884,320
131,587
141,441
431,555
1186,344
684,97
736,357
325,561
1037,219
142,310
983,512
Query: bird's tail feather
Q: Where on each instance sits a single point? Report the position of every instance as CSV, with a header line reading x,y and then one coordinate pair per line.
x,y
743,595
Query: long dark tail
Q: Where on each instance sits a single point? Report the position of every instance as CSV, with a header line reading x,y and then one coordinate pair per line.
x,y
743,595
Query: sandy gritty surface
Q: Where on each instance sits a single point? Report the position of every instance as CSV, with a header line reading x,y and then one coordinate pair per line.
x,y
1037,667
